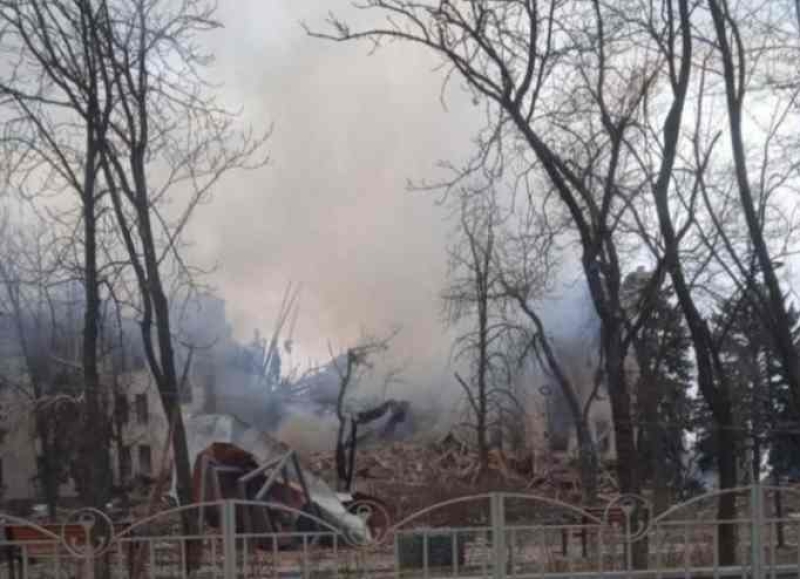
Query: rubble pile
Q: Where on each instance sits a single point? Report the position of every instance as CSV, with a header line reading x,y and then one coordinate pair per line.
x,y
418,475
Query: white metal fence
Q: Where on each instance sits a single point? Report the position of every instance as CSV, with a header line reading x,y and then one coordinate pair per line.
x,y
496,535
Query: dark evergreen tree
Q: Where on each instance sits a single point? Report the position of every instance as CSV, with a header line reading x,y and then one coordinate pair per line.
x,y
765,432
663,406
784,436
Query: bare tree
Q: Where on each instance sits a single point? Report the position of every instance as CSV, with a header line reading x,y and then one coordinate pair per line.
x,y
26,301
713,252
350,368
128,76
743,42
163,122
526,262
59,116
565,88
471,306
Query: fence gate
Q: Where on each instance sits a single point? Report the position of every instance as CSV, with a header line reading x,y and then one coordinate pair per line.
x,y
750,532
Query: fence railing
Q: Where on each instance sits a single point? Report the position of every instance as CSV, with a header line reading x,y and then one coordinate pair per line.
x,y
487,536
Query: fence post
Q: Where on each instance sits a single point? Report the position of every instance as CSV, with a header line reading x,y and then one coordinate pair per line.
x,y
498,515
757,522
89,562
88,554
229,540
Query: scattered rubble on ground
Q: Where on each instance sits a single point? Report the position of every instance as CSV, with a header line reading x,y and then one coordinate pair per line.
x,y
417,475
233,460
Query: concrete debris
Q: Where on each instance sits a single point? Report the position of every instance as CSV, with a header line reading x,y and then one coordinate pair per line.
x,y
419,475
234,461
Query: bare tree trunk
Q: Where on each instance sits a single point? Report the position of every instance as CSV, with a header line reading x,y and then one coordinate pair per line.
x,y
483,358
755,467
93,453
661,491
587,450
715,392
168,389
651,431
346,447
604,289
628,469
351,459
161,115
726,508
345,377
778,504
341,457
774,306
589,464
469,297
50,484
710,378
155,305
627,459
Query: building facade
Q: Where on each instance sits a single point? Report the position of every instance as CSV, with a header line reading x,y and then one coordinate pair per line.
x,y
137,445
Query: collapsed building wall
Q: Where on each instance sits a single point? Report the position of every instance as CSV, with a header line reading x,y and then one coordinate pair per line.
x,y
237,445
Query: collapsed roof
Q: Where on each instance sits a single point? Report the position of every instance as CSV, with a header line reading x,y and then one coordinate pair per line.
x,y
225,439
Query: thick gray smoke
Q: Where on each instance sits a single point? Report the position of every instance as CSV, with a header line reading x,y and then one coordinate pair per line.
x,y
332,210
572,327
258,386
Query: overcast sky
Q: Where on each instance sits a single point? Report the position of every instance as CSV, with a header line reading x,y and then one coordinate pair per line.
x,y
332,210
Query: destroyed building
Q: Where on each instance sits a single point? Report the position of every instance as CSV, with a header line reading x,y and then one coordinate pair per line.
x,y
247,384
233,460
228,378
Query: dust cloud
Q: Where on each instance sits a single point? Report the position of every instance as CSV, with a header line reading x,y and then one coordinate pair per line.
x,y
332,210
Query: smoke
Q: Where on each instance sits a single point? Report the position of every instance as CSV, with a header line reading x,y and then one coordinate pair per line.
x,y
306,432
572,326
229,378
332,210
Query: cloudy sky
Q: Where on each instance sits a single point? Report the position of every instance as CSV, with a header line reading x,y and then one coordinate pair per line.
x,y
332,210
